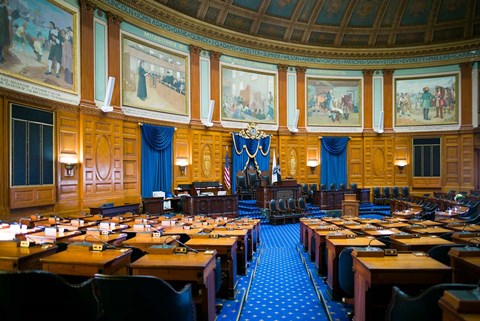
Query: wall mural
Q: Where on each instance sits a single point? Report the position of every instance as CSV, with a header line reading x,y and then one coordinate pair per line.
x,y
38,43
153,78
334,102
248,96
426,101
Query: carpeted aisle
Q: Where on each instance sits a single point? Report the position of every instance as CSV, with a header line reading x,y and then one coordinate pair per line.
x,y
281,288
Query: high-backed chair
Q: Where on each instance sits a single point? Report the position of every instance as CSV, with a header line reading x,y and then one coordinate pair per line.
x,y
282,207
242,186
343,187
26,295
274,213
378,198
333,187
353,186
422,307
405,192
148,297
395,192
253,179
386,193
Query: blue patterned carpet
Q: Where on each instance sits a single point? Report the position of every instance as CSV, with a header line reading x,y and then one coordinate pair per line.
x,y
281,283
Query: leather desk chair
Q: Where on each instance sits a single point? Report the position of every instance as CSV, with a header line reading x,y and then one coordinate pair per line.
x,y
422,307
143,297
44,290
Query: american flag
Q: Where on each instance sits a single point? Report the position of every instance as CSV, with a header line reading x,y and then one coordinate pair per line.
x,y
226,172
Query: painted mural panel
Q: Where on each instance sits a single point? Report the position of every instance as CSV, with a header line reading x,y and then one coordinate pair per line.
x,y
154,78
248,96
426,101
38,43
334,102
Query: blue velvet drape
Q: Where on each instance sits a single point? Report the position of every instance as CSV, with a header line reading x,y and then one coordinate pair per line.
x,y
156,159
249,152
334,161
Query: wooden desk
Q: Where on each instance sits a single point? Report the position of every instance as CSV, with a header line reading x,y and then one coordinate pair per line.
x,y
319,248
310,245
329,200
215,205
426,230
115,239
145,240
15,258
375,276
179,269
242,246
451,313
226,248
422,243
284,189
41,237
363,194
81,262
116,210
465,269
334,247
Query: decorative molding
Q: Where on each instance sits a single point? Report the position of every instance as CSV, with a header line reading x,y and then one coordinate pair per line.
x,y
195,49
87,5
251,132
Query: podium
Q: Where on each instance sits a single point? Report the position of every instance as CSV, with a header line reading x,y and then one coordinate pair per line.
x,y
350,205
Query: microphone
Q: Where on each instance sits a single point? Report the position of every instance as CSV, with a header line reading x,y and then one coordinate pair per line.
x,y
371,240
96,247
469,242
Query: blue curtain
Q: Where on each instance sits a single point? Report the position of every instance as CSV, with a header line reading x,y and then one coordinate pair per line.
x,y
334,161
156,159
249,152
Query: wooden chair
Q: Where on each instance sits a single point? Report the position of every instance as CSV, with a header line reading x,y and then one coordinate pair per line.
x,y
143,297
242,188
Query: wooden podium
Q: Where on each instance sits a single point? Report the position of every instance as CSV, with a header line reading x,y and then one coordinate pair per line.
x,y
350,205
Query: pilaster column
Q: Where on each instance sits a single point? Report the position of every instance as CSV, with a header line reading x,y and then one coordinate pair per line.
x,y
114,51
87,85
195,84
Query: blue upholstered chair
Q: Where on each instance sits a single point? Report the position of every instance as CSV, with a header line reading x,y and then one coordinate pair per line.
x,y
143,297
403,307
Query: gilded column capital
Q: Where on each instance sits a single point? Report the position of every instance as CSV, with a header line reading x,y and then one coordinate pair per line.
x,y
283,68
87,5
300,69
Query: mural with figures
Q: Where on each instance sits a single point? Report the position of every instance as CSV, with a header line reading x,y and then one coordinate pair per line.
x,y
38,42
154,78
248,96
426,101
333,102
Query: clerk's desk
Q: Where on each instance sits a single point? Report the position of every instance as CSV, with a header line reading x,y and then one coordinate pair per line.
x,y
375,276
16,258
226,248
83,262
335,244
465,263
179,269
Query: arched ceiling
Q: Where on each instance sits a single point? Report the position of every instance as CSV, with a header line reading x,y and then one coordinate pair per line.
x,y
352,29
342,23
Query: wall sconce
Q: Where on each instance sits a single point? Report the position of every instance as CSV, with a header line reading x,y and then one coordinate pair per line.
x,y
182,162
401,165
312,163
69,161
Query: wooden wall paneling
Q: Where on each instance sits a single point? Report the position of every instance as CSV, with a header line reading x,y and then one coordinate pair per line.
x,y
103,173
295,162
355,161
450,166
403,150
68,138
182,149
132,153
378,159
206,156
466,159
